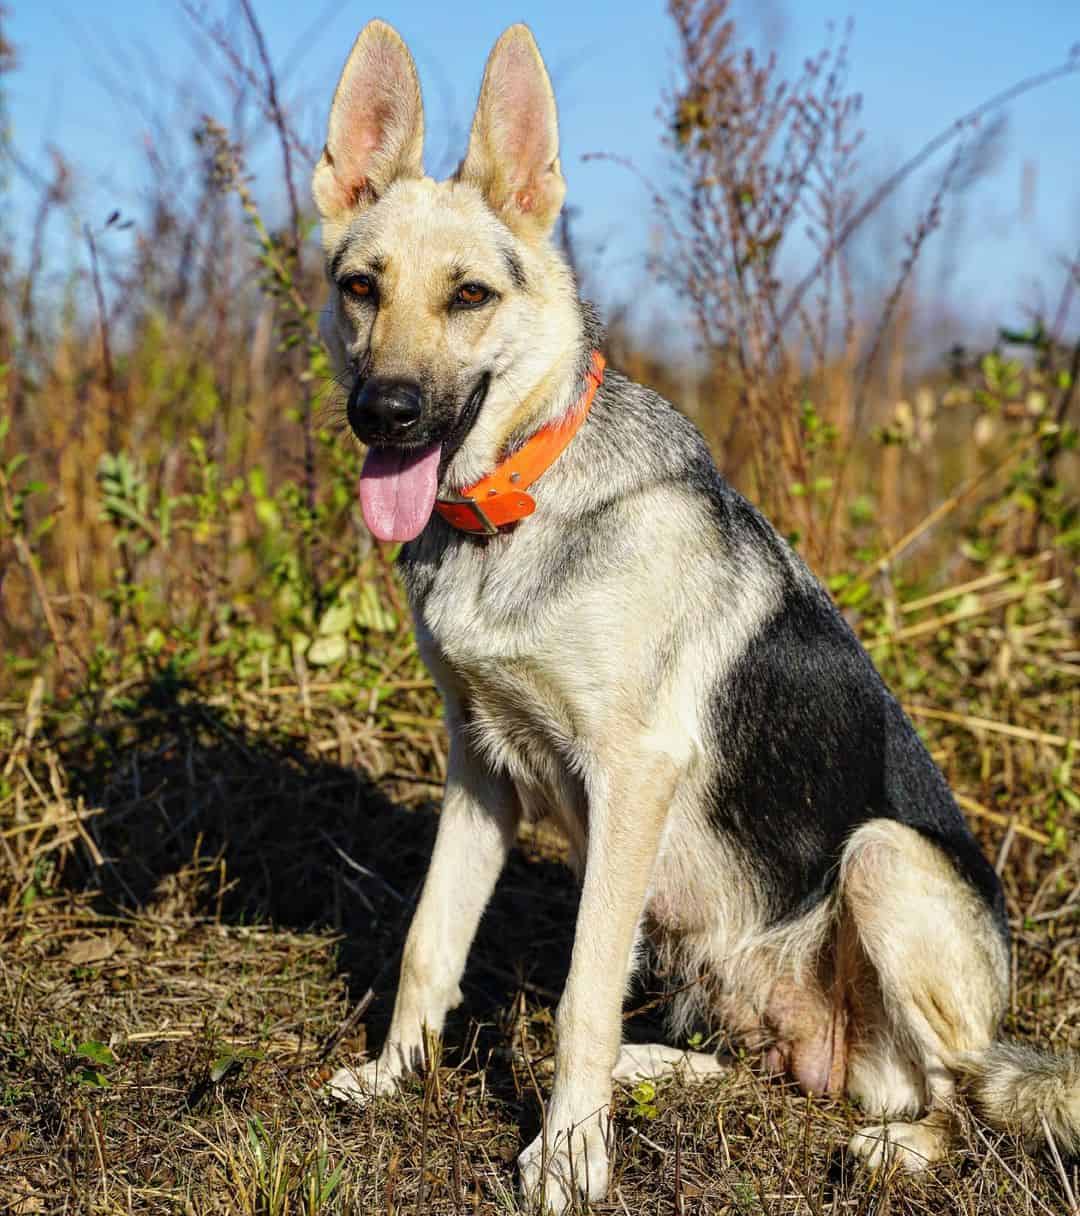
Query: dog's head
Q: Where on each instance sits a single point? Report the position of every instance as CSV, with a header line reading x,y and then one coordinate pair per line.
x,y
452,319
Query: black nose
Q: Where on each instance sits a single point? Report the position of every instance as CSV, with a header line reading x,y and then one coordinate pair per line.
x,y
385,407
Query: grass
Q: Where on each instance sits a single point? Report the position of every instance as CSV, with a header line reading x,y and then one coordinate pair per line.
x,y
220,758
206,887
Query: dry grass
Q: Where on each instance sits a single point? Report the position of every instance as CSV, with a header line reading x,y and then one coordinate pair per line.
x,y
212,837
205,895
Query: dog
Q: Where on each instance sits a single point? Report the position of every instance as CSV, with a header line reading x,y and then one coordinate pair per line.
x,y
622,642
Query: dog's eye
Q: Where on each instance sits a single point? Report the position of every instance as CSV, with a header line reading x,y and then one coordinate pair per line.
x,y
359,286
471,295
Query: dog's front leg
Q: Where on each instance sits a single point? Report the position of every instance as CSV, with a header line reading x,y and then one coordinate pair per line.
x,y
626,817
476,830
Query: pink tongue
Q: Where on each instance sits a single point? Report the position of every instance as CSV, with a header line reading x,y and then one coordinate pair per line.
x,y
397,490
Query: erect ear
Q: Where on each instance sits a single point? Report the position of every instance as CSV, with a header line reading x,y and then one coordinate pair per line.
x,y
376,131
513,154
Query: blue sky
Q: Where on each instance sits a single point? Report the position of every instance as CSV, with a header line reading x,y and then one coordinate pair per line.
x,y
917,65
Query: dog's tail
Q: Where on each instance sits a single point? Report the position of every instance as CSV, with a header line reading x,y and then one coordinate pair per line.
x,y
1027,1090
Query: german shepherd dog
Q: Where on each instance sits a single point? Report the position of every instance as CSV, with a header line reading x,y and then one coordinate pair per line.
x,y
632,649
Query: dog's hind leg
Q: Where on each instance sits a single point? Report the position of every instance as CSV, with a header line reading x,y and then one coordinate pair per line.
x,y
653,1061
929,983
476,830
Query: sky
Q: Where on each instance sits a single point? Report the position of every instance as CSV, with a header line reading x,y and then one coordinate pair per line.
x,y
89,74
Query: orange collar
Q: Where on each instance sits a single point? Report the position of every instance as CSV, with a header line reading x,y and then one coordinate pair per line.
x,y
500,499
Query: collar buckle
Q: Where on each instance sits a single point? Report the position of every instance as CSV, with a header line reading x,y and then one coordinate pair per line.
x,y
485,526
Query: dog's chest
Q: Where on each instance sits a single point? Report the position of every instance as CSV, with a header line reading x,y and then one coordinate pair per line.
x,y
512,674
520,722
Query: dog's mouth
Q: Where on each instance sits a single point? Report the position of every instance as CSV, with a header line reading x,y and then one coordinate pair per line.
x,y
465,422
398,486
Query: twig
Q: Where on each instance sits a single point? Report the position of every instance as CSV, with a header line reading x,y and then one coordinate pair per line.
x,y
218,36
659,1148
103,322
1006,844
965,614
346,1026
277,115
889,185
1015,828
1070,1194
976,584
1072,278
971,722
29,559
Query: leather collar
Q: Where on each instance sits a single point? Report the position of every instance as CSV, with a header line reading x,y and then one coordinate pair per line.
x,y
500,499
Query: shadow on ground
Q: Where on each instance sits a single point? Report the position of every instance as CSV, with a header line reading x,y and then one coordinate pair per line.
x,y
253,864
256,829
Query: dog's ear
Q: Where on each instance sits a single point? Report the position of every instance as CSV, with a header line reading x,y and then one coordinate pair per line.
x,y
376,131
513,154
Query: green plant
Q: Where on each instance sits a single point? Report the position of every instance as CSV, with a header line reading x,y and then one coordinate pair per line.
x,y
644,1097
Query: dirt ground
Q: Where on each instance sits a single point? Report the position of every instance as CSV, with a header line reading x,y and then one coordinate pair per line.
x,y
203,910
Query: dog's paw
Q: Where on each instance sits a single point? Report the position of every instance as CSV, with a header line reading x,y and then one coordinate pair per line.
x,y
358,1084
652,1061
912,1146
572,1161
